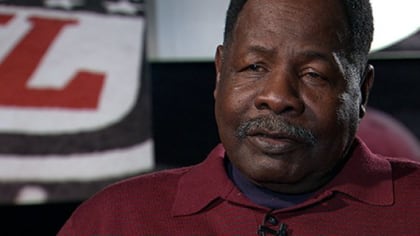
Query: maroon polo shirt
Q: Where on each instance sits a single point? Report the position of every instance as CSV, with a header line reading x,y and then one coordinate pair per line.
x,y
371,195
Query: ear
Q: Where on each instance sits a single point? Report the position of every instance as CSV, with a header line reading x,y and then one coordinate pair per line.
x,y
218,64
366,86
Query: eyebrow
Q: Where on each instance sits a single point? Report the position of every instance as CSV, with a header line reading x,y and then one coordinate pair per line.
x,y
310,54
316,55
331,60
262,50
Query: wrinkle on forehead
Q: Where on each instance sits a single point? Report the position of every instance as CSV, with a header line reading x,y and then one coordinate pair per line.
x,y
322,15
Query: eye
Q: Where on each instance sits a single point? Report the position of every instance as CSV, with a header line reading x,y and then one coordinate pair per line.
x,y
313,77
255,68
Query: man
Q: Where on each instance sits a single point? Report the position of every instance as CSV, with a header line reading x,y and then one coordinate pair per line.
x,y
292,85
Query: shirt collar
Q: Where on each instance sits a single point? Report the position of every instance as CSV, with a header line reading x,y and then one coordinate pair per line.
x,y
202,184
263,196
365,177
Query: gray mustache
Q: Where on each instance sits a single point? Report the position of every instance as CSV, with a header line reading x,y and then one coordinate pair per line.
x,y
275,124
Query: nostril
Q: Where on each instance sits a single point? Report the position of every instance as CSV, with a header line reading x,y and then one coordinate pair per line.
x,y
278,104
262,106
276,108
279,94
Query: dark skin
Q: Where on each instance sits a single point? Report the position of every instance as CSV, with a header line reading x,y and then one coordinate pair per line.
x,y
285,65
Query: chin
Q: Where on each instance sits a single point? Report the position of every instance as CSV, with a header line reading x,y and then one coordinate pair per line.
x,y
277,171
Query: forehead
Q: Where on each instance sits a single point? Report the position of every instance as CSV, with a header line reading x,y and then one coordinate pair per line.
x,y
298,8
312,20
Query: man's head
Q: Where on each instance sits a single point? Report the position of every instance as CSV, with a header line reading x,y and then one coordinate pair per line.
x,y
292,80
359,31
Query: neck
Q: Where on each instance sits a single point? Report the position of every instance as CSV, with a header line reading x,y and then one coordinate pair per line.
x,y
312,182
263,196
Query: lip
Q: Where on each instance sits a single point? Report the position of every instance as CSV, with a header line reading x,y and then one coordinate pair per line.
x,y
273,143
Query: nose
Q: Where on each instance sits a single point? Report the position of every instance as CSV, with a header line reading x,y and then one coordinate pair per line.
x,y
279,93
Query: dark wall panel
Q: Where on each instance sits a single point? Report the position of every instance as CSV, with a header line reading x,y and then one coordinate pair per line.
x,y
183,119
396,90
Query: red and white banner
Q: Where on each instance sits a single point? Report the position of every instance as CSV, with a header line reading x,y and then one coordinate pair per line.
x,y
74,99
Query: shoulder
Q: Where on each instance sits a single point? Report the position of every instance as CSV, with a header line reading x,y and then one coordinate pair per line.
x,y
164,181
142,192
141,203
137,201
165,178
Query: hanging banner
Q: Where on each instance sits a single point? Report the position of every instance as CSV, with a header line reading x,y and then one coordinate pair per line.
x,y
74,98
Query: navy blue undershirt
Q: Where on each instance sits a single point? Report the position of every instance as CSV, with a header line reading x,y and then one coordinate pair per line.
x,y
262,196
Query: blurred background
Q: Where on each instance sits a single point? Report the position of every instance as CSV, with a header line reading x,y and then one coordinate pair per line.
x,y
92,92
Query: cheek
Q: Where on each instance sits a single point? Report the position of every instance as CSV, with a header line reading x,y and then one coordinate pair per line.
x,y
348,112
334,122
232,108
322,112
233,103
